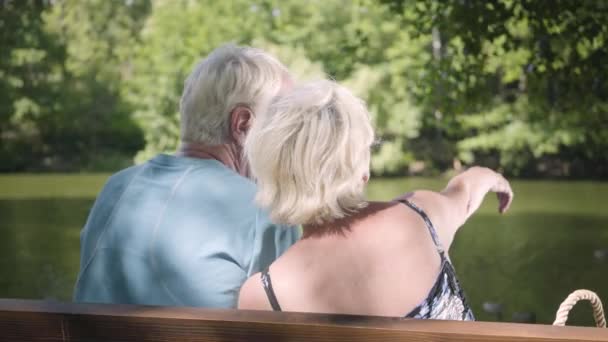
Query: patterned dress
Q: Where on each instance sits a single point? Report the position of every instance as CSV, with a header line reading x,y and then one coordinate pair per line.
x,y
445,300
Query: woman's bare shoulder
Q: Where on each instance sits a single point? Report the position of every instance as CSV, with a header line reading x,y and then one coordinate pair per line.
x,y
252,295
395,224
435,205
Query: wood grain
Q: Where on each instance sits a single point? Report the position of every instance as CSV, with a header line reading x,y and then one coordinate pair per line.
x,y
25,320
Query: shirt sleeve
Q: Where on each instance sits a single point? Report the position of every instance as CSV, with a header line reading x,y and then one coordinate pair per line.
x,y
271,241
210,281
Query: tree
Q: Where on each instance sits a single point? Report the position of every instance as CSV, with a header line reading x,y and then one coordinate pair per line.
x,y
517,85
64,63
520,82
354,42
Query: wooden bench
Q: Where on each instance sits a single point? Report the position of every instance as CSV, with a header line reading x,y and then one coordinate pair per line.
x,y
26,320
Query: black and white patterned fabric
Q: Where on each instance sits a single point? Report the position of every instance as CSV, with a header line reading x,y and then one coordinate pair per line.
x,y
446,300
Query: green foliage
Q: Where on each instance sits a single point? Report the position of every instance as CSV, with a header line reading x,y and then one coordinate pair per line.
x,y
349,45
62,64
519,81
28,80
518,85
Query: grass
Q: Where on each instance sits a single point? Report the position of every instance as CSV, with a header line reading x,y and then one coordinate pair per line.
x,y
38,186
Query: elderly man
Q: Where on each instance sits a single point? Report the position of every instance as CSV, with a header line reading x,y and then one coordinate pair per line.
x,y
183,229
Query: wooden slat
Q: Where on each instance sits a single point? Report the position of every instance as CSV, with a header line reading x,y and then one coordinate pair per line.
x,y
24,320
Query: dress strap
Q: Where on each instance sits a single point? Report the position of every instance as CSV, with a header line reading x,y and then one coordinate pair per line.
x,y
429,225
265,276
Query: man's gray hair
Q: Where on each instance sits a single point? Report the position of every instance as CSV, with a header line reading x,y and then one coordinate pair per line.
x,y
230,76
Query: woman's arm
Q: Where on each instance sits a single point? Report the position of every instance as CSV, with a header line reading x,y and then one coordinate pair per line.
x,y
467,190
450,208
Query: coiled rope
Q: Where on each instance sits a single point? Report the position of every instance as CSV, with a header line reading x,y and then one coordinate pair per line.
x,y
564,309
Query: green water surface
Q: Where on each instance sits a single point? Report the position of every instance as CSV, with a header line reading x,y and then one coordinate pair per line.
x,y
554,240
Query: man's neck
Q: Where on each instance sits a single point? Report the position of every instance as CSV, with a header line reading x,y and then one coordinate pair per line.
x,y
227,154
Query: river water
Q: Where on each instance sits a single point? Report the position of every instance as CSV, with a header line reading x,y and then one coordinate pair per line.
x,y
553,240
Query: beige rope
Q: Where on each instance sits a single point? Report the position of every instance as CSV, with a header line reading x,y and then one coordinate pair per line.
x,y
564,309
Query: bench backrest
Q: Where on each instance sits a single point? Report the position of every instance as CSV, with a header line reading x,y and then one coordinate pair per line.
x,y
26,320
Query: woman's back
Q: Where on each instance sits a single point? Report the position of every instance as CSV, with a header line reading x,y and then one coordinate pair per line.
x,y
382,261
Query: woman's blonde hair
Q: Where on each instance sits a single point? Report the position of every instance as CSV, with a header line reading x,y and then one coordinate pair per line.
x,y
310,153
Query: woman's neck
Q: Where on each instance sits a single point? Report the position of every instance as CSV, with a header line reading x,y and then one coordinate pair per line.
x,y
338,227
344,225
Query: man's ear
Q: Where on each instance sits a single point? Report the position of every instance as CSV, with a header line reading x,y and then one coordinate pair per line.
x,y
241,119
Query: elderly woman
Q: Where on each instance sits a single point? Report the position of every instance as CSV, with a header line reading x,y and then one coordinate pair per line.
x,y
310,155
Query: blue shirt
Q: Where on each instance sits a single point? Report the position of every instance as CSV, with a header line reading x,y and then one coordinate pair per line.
x,y
176,231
